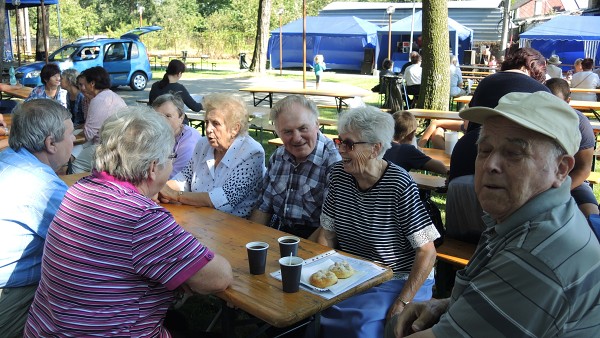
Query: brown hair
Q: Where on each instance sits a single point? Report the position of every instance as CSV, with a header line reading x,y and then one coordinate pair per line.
x,y
404,124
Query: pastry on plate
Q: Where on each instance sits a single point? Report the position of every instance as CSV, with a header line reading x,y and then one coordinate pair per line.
x,y
323,279
342,269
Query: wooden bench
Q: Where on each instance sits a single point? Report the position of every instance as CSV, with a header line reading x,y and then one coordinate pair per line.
x,y
455,252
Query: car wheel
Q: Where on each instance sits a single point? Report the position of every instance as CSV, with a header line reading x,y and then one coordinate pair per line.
x,y
138,81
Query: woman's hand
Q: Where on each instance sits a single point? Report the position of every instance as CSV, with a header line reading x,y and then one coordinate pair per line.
x,y
168,195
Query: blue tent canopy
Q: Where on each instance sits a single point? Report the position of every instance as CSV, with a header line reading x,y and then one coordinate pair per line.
x,y
461,38
29,3
341,40
569,37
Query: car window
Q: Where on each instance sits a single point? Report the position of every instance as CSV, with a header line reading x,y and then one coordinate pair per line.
x,y
135,52
89,52
63,53
116,51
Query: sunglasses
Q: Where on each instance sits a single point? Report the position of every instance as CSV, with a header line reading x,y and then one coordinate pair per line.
x,y
349,144
172,156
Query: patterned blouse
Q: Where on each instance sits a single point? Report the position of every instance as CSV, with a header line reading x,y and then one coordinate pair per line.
x,y
39,92
233,184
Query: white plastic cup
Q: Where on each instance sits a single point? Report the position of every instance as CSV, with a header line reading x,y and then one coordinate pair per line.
x,y
450,137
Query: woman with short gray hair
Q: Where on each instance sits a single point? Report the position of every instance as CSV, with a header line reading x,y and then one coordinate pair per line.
x,y
130,144
227,165
373,210
108,234
171,107
75,97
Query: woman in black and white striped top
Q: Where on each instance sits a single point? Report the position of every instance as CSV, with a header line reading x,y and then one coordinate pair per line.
x,y
373,210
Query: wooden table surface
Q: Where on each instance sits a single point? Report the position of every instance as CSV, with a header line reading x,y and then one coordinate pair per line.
x,y
342,92
21,93
437,154
435,114
258,295
579,105
582,90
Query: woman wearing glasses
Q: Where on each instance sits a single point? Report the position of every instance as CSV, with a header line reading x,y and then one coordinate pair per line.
x,y
227,165
373,210
171,107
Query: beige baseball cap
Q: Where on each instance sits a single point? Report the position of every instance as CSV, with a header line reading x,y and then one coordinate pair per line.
x,y
541,112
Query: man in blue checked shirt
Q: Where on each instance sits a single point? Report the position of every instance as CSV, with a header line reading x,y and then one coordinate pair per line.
x,y
295,185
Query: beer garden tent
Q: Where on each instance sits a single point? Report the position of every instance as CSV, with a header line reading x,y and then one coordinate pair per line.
x,y
461,39
341,40
10,5
569,37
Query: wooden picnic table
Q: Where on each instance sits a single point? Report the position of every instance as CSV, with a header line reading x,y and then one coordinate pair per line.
x,y
435,114
438,154
259,295
20,93
583,90
339,94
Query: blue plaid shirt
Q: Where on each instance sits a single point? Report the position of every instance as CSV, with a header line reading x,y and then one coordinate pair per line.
x,y
295,192
31,196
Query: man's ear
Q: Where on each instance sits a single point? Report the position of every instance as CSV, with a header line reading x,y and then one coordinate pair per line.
x,y
49,144
564,167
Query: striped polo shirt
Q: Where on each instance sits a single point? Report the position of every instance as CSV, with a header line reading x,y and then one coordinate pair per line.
x,y
537,274
384,223
112,261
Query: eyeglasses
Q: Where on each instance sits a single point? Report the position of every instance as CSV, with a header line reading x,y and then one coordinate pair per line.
x,y
349,144
172,156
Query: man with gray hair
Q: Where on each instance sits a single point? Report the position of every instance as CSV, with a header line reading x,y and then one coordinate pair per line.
x,y
294,187
536,270
41,141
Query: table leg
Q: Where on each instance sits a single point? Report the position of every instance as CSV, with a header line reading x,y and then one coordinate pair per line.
x,y
258,100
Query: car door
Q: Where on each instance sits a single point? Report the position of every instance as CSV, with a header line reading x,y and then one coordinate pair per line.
x,y
117,61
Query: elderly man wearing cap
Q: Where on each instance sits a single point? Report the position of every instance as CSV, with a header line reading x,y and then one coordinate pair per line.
x,y
535,272
552,69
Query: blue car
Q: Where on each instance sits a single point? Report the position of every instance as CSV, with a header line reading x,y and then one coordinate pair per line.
x,y
125,59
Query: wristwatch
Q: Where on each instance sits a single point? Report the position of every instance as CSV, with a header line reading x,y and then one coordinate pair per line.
x,y
179,193
404,302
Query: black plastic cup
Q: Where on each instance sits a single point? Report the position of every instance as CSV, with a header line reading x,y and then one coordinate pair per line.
x,y
288,245
291,269
257,257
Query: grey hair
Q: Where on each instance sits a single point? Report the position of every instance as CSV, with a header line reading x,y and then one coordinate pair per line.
x,y
371,124
232,106
35,120
287,104
175,98
130,140
453,59
71,75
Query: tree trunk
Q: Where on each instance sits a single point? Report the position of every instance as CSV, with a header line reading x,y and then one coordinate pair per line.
x,y
435,81
259,57
40,49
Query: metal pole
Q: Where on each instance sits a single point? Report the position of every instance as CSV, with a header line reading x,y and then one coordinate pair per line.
x,y
390,36
505,25
280,12
18,36
304,44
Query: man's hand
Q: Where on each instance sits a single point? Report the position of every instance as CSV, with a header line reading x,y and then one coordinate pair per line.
x,y
416,317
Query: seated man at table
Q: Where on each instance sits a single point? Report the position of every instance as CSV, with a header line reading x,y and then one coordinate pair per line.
x,y
114,259
294,187
40,143
535,271
403,152
412,75
580,188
